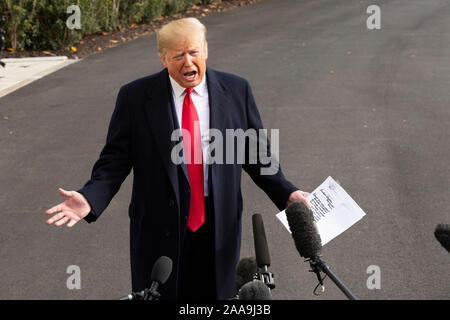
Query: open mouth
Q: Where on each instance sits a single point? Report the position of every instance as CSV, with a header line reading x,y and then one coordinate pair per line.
x,y
190,75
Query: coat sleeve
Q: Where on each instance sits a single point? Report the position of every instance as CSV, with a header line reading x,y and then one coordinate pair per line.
x,y
114,163
266,170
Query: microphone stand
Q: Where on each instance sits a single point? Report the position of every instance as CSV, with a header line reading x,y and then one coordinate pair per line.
x,y
266,276
146,294
134,296
152,293
317,265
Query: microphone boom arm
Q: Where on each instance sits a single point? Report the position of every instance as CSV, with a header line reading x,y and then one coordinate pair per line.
x,y
318,265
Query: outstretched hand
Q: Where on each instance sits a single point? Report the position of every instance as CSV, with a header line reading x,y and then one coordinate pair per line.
x,y
72,210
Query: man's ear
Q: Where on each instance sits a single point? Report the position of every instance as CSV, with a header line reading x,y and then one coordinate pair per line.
x,y
206,50
163,60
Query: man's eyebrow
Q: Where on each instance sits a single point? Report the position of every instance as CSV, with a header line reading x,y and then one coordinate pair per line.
x,y
180,53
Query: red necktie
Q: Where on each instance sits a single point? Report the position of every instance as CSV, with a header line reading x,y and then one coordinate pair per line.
x,y
194,157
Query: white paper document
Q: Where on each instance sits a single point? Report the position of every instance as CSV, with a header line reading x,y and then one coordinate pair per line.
x,y
334,210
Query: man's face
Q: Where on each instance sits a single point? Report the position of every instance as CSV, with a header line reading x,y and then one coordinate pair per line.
x,y
186,60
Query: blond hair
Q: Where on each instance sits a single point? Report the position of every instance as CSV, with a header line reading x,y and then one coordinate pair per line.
x,y
171,32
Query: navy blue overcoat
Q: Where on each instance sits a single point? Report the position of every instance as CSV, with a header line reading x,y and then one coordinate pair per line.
x,y
139,138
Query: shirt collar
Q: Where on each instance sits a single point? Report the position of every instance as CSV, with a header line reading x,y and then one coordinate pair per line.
x,y
179,90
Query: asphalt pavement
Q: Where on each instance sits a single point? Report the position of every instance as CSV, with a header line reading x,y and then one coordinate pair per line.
x,y
368,107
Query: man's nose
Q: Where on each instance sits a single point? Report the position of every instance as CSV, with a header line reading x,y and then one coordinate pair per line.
x,y
187,59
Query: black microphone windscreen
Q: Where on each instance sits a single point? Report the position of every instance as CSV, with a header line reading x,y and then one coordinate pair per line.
x,y
162,269
304,230
255,290
442,234
246,269
261,247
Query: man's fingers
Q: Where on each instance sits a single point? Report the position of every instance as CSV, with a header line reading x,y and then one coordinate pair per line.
x,y
55,218
61,222
304,199
61,218
63,212
71,223
65,193
57,208
307,203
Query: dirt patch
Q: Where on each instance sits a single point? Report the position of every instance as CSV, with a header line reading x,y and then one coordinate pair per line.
x,y
95,43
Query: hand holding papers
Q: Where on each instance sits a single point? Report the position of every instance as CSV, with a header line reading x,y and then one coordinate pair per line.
x,y
334,210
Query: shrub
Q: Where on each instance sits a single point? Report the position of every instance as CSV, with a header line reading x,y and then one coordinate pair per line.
x,y
41,24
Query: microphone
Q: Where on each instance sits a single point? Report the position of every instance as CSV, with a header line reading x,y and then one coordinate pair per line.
x,y
304,230
160,273
254,290
308,243
262,251
442,234
245,272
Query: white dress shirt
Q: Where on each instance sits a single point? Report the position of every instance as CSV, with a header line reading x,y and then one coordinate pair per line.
x,y
200,98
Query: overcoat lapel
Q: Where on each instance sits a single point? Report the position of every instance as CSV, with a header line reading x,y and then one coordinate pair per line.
x,y
219,105
159,114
